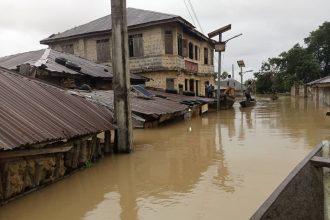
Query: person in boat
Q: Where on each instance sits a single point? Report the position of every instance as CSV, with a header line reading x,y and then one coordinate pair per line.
x,y
247,92
274,94
230,91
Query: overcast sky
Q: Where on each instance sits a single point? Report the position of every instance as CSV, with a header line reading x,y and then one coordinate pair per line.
x,y
269,27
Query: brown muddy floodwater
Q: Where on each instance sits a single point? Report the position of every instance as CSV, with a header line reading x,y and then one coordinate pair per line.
x,y
219,166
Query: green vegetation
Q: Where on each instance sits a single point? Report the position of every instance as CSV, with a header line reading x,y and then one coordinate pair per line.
x,y
89,164
298,65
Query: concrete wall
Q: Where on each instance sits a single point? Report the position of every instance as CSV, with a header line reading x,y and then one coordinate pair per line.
x,y
299,196
299,91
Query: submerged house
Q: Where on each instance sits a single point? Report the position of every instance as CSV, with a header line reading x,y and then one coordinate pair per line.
x,y
63,69
45,134
237,86
165,48
151,108
319,90
147,112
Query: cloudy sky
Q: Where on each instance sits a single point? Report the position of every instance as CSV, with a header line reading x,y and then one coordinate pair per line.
x,y
269,27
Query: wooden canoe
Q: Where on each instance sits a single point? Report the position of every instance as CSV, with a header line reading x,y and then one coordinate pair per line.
x,y
246,103
226,102
274,97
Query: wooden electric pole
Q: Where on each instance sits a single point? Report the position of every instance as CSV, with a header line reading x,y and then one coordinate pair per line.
x,y
121,77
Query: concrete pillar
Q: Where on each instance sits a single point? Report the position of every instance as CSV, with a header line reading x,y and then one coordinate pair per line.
x,y
121,77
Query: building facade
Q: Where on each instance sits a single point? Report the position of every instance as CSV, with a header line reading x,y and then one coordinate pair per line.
x,y
319,90
164,48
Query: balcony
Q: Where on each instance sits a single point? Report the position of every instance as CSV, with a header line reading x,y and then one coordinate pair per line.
x,y
191,66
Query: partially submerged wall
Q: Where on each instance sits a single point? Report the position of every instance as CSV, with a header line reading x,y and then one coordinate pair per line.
x,y
299,196
23,171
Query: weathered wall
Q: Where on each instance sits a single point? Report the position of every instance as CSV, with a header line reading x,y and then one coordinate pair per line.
x,y
299,91
324,95
154,49
25,173
155,59
158,80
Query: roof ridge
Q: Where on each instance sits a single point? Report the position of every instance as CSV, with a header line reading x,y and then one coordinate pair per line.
x,y
152,11
102,24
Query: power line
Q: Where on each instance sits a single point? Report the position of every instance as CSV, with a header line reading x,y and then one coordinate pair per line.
x,y
194,12
193,21
197,20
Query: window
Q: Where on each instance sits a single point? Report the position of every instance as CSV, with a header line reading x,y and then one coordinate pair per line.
x,y
191,51
197,86
191,85
180,50
103,50
168,42
186,84
196,53
206,56
211,57
68,48
185,47
135,45
169,84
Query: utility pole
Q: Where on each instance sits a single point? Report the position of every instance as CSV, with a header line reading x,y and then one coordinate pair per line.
x,y
220,47
121,77
232,71
241,64
219,74
241,73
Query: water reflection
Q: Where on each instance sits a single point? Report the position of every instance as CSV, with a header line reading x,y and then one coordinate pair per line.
x,y
202,168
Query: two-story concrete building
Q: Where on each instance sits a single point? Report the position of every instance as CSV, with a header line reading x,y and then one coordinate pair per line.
x,y
165,48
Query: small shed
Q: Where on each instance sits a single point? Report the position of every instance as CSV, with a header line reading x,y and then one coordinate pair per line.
x,y
45,134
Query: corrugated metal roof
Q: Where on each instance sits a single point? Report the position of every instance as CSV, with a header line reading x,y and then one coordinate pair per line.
x,y
12,61
156,106
320,81
135,17
179,98
45,58
87,67
32,112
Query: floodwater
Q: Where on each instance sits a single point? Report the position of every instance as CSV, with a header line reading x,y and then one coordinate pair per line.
x,y
219,166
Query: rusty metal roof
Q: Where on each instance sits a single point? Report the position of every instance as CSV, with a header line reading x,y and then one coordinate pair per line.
x,y
32,112
149,107
45,59
135,18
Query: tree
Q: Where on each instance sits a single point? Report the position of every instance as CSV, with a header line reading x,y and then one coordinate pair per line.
x,y
264,83
318,44
296,65
224,75
300,65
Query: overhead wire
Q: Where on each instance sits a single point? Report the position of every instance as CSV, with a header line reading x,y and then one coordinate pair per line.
x,y
195,15
193,21
199,24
